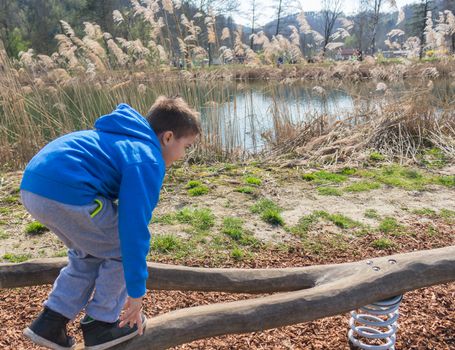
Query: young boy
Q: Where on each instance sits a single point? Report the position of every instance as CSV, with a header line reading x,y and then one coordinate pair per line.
x,y
72,185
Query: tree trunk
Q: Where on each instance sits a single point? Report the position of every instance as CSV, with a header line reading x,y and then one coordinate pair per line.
x,y
279,18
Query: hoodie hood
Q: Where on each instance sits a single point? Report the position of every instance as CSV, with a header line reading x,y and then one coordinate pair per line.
x,y
125,120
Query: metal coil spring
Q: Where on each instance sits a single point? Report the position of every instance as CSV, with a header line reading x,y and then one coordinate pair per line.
x,y
369,325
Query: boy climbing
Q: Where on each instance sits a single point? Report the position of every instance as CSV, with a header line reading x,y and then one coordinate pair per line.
x,y
72,186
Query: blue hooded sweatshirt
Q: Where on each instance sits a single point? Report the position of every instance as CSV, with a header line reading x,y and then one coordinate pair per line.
x,y
121,159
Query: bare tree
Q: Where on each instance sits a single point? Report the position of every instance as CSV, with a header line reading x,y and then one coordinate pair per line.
x,y
361,24
377,4
424,9
254,8
221,6
284,8
376,7
278,17
331,10
450,6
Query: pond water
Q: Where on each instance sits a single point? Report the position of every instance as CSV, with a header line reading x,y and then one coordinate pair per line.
x,y
248,111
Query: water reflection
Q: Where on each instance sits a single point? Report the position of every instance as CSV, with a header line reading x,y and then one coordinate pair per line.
x,y
244,112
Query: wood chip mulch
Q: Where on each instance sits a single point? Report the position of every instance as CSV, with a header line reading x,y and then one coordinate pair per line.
x,y
427,316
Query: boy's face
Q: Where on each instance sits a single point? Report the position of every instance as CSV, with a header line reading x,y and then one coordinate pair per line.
x,y
174,148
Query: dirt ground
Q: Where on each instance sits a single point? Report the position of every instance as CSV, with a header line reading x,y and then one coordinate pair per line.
x,y
427,316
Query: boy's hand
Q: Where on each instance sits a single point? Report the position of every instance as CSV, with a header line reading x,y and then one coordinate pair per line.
x,y
132,313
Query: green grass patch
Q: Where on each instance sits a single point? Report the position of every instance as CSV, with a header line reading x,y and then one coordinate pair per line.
x,y
3,235
16,258
167,219
425,212
304,225
348,171
268,211
398,176
329,191
5,210
166,243
264,204
376,157
61,253
339,220
233,227
196,188
272,217
448,181
198,191
35,228
200,219
362,186
306,222
193,184
433,158
323,176
382,243
246,189
371,214
229,166
447,215
389,225
314,247
237,254
251,180
432,231
11,200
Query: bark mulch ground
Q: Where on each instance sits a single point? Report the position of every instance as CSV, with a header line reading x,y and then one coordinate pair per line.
x,y
427,316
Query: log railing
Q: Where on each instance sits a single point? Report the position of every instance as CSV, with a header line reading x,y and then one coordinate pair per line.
x,y
306,293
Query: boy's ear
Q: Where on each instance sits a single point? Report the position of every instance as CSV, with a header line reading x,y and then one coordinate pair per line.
x,y
166,137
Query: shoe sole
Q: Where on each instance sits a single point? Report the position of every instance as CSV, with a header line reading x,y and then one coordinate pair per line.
x,y
118,340
35,338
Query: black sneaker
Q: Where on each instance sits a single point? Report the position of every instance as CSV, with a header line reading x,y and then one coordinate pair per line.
x,y
49,330
100,335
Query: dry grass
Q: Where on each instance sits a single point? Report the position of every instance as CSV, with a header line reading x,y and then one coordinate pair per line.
x,y
400,131
38,105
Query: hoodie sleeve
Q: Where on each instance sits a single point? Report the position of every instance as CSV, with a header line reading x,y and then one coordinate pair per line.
x,y
138,196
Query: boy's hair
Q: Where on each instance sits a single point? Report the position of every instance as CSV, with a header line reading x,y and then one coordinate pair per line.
x,y
173,114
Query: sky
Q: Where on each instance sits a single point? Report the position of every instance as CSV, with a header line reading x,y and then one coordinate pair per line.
x,y
269,9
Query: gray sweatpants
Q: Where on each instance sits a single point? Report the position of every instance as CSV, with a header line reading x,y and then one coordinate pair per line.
x,y
93,278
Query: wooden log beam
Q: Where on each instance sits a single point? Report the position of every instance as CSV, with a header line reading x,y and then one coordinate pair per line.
x,y
174,277
367,282
331,290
